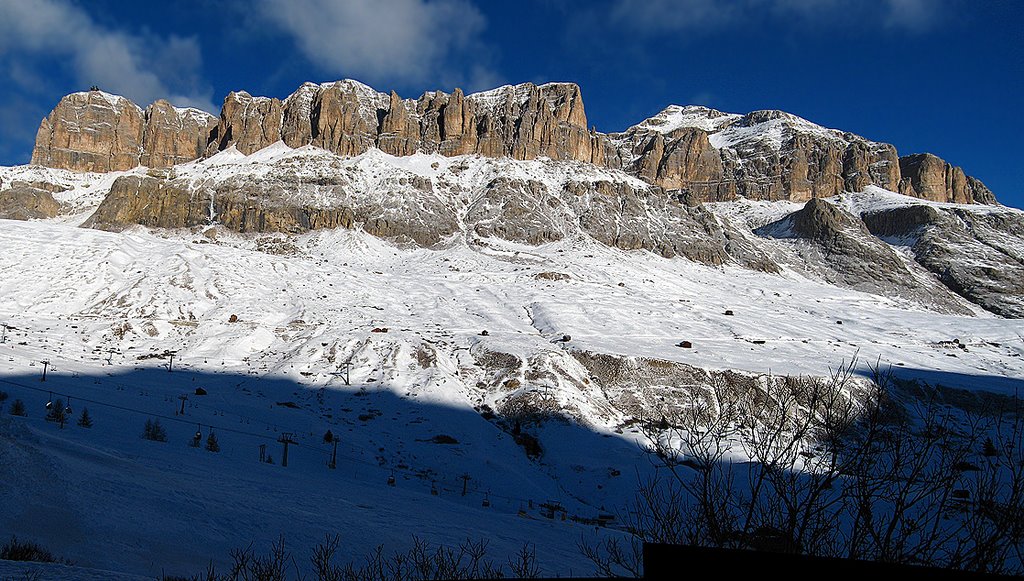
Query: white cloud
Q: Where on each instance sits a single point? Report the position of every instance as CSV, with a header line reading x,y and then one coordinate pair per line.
x,y
914,15
658,16
137,66
405,41
695,16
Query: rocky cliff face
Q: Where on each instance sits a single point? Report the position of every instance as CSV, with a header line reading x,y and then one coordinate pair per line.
x,y
297,191
24,201
348,118
704,154
835,245
929,177
98,132
976,254
91,131
764,155
171,136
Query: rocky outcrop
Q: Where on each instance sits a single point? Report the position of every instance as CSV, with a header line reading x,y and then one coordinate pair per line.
x,y
302,191
248,123
684,160
765,155
929,177
98,132
838,247
703,154
149,201
614,213
172,136
344,117
91,131
408,212
24,201
976,254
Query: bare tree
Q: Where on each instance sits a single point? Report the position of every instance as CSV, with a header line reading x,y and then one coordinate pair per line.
x,y
834,466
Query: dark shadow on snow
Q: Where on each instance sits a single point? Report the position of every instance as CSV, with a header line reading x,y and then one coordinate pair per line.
x,y
383,438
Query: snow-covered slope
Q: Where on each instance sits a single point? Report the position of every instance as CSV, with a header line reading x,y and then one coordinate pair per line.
x,y
99,306
462,352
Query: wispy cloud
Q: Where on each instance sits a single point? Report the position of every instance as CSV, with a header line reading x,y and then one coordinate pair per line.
x,y
697,16
913,15
143,67
389,41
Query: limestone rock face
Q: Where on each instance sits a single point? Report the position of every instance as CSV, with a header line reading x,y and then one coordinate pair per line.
x,y
91,131
614,213
457,126
684,159
519,210
399,129
23,201
296,125
703,154
148,201
869,163
992,276
929,177
769,155
172,136
839,247
408,211
248,123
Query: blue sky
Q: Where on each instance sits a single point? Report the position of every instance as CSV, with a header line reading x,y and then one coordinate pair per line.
x,y
944,76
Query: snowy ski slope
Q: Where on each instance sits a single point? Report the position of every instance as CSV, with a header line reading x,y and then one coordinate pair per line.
x,y
102,308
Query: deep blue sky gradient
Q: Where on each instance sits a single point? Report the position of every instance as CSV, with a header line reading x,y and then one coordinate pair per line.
x,y
948,79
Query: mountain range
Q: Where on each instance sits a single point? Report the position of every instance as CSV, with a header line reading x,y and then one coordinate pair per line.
x,y
484,298
664,184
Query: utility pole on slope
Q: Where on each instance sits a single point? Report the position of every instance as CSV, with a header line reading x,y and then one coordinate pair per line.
x,y
3,337
170,364
348,367
334,454
286,438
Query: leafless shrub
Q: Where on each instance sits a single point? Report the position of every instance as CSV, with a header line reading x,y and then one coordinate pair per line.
x,y
468,560
832,467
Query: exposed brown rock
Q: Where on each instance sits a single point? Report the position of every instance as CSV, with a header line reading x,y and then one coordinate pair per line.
x,y
869,163
344,117
91,131
172,136
296,126
150,202
24,201
927,176
704,154
458,126
411,213
684,159
248,123
765,155
399,129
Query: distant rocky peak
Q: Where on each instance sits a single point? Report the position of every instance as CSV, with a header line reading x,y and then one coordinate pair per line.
x,y
102,99
521,93
676,117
